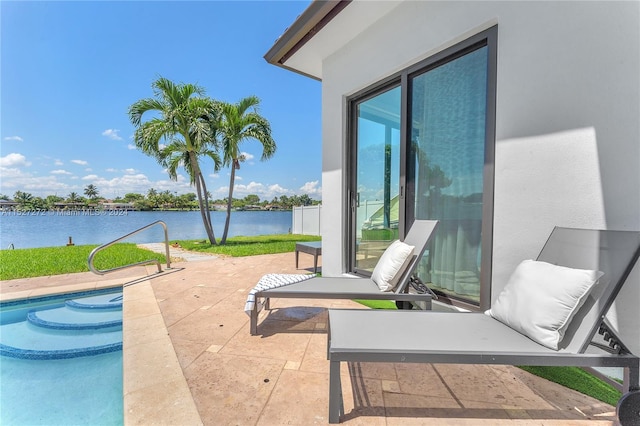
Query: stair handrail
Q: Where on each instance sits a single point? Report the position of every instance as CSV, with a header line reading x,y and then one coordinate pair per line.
x,y
144,262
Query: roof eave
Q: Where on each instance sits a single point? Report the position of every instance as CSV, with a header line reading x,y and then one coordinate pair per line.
x,y
310,22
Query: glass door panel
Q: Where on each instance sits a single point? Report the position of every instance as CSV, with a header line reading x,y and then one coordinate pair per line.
x,y
448,122
377,177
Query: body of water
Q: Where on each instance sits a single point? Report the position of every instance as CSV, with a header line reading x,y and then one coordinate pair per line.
x,y
49,229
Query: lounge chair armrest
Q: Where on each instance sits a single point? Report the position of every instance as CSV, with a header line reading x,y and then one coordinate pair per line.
x,y
423,297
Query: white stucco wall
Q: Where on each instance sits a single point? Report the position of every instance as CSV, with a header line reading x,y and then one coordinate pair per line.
x,y
567,126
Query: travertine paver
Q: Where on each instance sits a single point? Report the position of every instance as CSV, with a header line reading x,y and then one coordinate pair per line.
x,y
189,359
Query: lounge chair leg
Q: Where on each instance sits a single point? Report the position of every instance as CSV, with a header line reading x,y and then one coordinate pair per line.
x,y
266,303
336,405
253,322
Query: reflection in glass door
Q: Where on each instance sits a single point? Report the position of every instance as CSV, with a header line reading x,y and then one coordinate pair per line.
x,y
377,177
447,160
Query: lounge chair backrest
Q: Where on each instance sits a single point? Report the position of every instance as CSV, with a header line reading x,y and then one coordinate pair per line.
x,y
612,252
419,235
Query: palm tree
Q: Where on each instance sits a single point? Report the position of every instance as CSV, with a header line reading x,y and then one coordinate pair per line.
x,y
177,154
24,199
185,115
91,191
74,199
241,122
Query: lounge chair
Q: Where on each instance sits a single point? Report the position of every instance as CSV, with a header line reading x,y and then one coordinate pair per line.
x,y
478,338
354,288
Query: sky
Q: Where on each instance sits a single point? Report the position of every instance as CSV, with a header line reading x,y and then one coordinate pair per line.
x,y
70,70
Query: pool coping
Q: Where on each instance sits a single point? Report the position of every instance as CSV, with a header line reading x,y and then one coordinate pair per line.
x,y
153,386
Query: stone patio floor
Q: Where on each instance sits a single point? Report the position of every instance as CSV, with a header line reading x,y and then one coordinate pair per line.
x,y
189,359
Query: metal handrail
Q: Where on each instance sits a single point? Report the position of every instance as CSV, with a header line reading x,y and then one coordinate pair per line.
x,y
144,262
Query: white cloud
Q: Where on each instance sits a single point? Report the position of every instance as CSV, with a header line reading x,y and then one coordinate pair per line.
x,y
215,175
130,171
60,172
311,188
247,156
80,162
90,177
111,170
14,160
57,162
112,134
15,180
131,146
238,178
278,190
14,138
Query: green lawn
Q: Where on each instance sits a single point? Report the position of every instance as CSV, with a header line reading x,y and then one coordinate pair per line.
x,y
37,262
577,379
249,246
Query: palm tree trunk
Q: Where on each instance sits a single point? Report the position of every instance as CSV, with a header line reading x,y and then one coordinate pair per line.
x,y
199,179
203,214
223,241
206,200
207,209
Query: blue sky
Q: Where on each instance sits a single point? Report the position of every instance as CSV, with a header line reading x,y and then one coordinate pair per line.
x,y
70,71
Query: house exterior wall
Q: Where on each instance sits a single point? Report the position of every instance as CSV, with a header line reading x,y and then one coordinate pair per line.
x,y
567,120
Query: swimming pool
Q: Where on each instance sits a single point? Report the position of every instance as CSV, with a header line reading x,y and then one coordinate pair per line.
x,y
61,360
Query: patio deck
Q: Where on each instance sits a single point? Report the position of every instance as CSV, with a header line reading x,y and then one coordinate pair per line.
x,y
189,359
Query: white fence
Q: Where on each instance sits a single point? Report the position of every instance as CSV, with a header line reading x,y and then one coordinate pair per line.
x,y
306,220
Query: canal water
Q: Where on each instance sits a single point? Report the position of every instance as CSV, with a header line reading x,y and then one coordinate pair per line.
x,y
49,229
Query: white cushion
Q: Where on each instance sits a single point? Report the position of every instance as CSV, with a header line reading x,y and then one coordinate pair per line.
x,y
540,299
391,265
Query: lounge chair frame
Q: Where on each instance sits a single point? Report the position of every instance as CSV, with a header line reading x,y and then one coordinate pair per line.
x,y
476,338
419,236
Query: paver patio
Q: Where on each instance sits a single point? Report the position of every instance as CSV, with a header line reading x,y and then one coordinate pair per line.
x,y
189,359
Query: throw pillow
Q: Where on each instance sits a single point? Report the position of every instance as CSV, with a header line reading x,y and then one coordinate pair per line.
x,y
391,265
540,299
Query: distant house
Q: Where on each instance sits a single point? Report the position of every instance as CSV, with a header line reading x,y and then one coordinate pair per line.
x,y
500,119
71,206
8,204
118,206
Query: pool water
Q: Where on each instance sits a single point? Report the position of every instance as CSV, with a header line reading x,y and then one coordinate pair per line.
x,y
61,363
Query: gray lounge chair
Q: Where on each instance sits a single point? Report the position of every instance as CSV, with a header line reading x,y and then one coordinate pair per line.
x,y
477,338
355,288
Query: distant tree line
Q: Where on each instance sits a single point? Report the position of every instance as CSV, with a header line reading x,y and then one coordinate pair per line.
x,y
153,200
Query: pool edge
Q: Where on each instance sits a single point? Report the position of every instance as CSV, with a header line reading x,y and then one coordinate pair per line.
x,y
155,390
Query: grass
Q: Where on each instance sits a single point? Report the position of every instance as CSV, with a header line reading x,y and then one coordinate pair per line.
x,y
241,246
378,304
37,262
579,380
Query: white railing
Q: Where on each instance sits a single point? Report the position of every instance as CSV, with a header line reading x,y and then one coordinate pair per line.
x,y
306,220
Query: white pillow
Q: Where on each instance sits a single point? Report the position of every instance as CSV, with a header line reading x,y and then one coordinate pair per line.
x,y
391,265
540,299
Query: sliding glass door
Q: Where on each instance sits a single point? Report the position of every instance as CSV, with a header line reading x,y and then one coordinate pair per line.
x,y
422,146
376,186
447,156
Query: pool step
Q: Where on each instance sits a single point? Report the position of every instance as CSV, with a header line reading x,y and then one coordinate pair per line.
x,y
103,301
79,327
22,340
69,319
